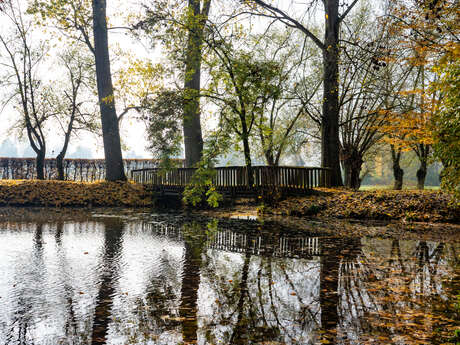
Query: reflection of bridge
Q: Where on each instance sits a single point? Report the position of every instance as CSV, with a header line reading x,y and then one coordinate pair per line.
x,y
235,180
240,242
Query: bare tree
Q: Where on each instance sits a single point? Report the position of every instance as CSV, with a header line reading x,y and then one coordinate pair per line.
x,y
21,61
281,127
330,48
370,86
73,100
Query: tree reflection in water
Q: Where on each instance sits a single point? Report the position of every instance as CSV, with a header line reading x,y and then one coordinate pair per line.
x,y
336,253
70,321
191,282
113,234
194,244
389,294
255,302
19,330
22,322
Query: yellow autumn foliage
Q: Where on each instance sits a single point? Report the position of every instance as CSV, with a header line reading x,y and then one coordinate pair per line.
x,y
66,193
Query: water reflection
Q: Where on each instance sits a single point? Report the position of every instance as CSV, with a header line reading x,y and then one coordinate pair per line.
x,y
192,281
70,321
194,241
113,232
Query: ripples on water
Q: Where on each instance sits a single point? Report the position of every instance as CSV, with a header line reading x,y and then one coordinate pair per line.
x,y
173,281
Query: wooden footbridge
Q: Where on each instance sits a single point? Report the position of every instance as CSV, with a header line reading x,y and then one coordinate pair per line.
x,y
233,181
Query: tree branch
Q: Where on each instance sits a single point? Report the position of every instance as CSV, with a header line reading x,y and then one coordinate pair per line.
x,y
281,15
124,112
342,17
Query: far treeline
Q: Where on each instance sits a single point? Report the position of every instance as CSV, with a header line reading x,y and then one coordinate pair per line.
x,y
277,81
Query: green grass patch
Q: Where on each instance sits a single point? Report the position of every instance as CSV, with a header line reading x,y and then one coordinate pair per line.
x,y
390,187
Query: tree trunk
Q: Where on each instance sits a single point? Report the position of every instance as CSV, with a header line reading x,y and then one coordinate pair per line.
x,y
269,157
110,130
61,155
68,133
247,158
352,161
398,172
330,118
421,175
40,164
60,167
193,140
422,151
246,150
352,172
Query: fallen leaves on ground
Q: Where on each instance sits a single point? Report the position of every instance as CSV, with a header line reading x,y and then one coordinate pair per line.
x,y
65,193
425,206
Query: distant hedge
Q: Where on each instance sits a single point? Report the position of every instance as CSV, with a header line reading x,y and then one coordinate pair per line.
x,y
83,170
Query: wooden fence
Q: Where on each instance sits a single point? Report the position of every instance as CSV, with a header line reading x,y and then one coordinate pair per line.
x,y
234,179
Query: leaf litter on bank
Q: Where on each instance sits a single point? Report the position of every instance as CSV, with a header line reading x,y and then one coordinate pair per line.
x,y
422,206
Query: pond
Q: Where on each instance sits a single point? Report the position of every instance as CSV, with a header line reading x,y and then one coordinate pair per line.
x,y
144,278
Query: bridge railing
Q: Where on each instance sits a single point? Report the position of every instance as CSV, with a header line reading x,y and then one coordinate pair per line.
x,y
237,177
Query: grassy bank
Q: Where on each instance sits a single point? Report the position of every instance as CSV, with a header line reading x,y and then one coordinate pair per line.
x,y
424,206
64,193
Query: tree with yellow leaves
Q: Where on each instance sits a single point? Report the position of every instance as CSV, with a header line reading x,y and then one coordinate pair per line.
x,y
427,31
